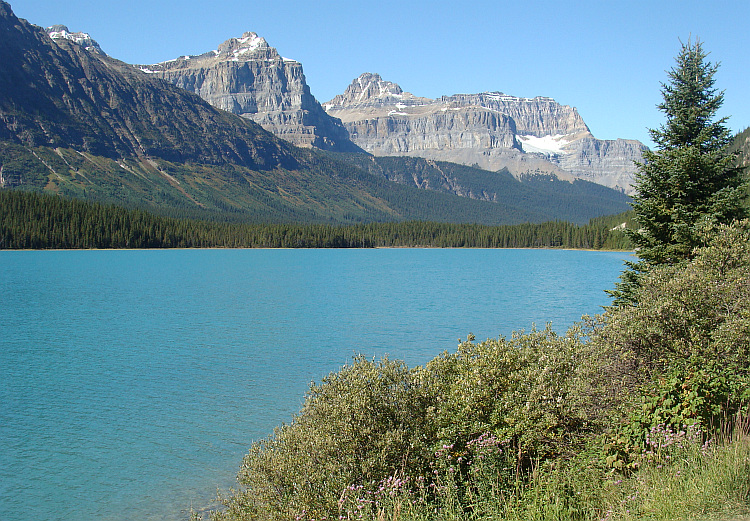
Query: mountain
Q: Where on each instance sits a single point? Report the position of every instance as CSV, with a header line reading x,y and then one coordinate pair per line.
x,y
246,76
566,200
76,122
56,93
82,124
741,145
491,130
83,39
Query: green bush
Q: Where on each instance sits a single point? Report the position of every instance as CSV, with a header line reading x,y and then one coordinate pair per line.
x,y
485,414
688,338
513,428
360,425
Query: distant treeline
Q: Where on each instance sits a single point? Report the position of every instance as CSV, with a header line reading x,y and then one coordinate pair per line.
x,y
30,220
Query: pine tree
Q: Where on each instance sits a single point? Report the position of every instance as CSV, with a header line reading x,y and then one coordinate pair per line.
x,y
691,181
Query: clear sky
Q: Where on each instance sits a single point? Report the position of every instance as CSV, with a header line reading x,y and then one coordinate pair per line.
x,y
606,58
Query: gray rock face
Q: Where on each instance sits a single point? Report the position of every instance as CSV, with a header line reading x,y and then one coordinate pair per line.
x,y
246,76
607,162
538,116
492,130
83,39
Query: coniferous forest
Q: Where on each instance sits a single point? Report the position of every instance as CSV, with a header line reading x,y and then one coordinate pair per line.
x,y
30,220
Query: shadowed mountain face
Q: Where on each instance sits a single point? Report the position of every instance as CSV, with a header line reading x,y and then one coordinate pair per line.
x,y
492,130
58,94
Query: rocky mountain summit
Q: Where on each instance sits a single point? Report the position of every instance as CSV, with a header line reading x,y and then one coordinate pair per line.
x,y
492,130
83,39
248,77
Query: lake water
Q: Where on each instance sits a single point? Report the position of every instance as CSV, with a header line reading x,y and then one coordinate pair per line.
x,y
133,382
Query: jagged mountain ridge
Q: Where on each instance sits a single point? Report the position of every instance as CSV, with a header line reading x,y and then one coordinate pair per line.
x,y
492,130
56,93
248,77
79,123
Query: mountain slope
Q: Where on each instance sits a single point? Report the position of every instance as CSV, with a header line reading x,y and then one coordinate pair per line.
x,y
491,130
59,94
79,123
741,145
246,76
574,201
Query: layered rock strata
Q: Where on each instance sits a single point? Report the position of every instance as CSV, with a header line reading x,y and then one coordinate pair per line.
x,y
246,76
491,130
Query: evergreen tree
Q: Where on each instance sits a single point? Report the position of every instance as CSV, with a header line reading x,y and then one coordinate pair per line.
x,y
691,181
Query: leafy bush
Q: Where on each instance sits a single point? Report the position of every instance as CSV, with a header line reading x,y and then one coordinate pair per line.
x,y
688,338
512,428
484,414
360,425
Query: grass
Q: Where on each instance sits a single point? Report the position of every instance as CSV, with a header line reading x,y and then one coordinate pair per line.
x,y
698,483
682,478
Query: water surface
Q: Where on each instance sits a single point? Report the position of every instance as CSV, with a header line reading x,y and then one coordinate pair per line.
x,y
132,382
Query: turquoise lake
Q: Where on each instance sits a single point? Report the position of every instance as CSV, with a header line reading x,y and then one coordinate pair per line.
x,y
133,382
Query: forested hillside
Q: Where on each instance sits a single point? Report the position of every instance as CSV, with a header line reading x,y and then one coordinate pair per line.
x,y
741,144
575,201
32,220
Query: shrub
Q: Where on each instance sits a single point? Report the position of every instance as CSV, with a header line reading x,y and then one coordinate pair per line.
x,y
484,414
503,427
688,338
360,425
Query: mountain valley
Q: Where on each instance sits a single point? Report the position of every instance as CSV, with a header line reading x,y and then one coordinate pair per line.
x,y
79,123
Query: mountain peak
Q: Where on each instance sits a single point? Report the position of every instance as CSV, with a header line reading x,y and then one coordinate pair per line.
x,y
248,77
248,47
83,39
491,129
370,88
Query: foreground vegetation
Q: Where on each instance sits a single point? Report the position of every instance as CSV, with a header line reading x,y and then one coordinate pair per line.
x,y
640,413
33,220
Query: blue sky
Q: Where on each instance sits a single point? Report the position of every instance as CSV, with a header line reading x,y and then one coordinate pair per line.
x,y
608,59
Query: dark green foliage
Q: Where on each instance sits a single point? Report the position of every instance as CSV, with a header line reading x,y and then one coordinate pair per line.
x,y
685,345
691,180
535,198
33,220
740,146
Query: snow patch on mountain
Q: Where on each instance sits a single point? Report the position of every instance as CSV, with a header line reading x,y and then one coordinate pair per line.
x,y
544,145
58,32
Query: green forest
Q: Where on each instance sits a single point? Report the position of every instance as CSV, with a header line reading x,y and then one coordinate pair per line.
x,y
31,220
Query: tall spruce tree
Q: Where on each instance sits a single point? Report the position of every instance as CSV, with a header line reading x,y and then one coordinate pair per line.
x,y
691,181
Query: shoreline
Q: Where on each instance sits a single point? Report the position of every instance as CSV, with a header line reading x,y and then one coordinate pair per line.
x,y
313,248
